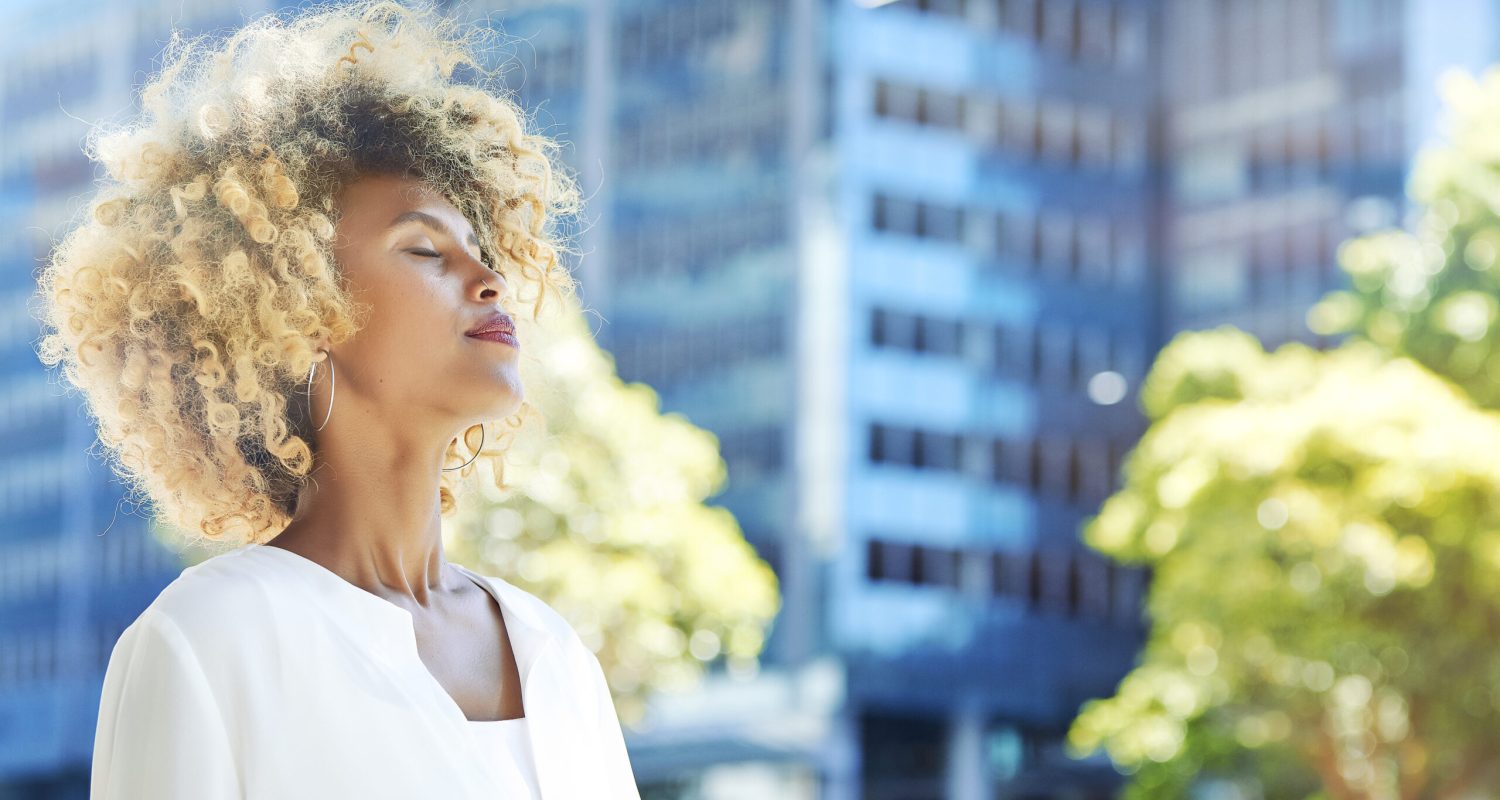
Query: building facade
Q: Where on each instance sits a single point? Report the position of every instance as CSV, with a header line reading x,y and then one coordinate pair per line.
x,y
898,259
1291,126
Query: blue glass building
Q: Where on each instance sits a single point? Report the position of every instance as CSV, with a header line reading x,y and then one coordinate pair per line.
x,y
1291,126
897,258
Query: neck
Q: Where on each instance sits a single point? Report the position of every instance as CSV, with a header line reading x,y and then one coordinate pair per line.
x,y
370,513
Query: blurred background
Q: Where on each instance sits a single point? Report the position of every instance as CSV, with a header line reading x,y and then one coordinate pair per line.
x,y
909,266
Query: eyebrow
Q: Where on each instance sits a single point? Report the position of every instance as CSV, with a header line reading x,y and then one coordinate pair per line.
x,y
429,221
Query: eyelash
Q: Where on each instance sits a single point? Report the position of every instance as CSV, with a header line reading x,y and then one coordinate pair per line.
x,y
432,254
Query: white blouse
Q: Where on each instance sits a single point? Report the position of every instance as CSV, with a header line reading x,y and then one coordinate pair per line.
x,y
259,673
508,740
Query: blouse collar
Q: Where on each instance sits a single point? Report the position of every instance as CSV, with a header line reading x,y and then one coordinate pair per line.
x,y
528,632
553,711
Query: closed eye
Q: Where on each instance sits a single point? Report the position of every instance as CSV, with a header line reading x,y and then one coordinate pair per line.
x,y
431,254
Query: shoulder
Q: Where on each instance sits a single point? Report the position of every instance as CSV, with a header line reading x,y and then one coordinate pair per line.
x,y
216,603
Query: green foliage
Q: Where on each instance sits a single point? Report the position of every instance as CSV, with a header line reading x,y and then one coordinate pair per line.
x,y
1325,546
1322,528
606,521
1430,293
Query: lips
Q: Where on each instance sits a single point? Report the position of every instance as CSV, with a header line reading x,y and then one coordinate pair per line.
x,y
493,324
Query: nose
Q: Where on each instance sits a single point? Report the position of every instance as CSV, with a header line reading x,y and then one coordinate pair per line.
x,y
487,280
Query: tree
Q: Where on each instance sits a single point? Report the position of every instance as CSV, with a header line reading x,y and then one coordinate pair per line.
x,y
1430,293
1325,547
606,521
1322,527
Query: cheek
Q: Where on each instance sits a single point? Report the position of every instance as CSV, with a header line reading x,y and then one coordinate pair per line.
x,y
412,318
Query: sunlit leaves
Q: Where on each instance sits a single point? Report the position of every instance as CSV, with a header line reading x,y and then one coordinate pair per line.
x,y
607,522
1430,292
1322,531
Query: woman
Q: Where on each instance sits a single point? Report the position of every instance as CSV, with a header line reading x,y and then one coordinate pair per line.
x,y
288,311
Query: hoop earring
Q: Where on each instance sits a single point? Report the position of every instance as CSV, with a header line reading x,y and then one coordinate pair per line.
x,y
476,452
333,386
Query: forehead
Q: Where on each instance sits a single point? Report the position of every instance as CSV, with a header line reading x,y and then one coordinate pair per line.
x,y
383,202
382,194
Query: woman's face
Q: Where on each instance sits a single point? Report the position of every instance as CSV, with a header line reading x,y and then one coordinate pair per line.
x,y
411,255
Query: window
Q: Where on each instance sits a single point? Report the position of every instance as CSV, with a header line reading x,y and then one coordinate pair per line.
x,y
1002,582
1075,471
1129,248
1130,34
933,450
920,449
1093,456
1129,146
890,445
941,222
1018,238
936,566
1075,377
1019,127
1019,17
1094,138
1039,358
895,100
1071,581
1323,145
1211,280
1054,345
895,214
923,220
893,329
1129,585
1074,590
1055,137
1099,587
1015,352
1093,348
916,333
1117,451
1036,471
667,355
1058,25
752,451
1055,230
1127,358
939,337
1035,580
940,109
888,561
1096,40
1010,461
915,564
1093,250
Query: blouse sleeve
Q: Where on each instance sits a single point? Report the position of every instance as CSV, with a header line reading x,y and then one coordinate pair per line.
x,y
615,760
160,733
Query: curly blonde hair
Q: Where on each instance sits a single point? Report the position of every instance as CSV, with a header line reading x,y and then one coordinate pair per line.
x,y
187,302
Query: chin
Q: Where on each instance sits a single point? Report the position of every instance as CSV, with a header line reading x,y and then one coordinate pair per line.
x,y
503,410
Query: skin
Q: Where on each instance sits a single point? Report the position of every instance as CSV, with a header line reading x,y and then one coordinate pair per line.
x,y
408,383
